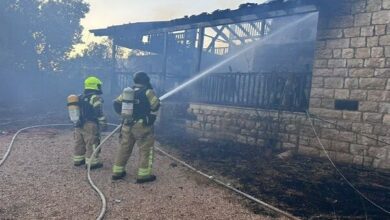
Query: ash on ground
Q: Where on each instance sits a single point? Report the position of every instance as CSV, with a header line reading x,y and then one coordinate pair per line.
x,y
306,187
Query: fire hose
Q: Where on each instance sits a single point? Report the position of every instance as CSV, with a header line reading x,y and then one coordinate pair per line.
x,y
100,193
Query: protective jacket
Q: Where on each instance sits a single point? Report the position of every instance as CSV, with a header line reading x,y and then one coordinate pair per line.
x,y
145,104
91,107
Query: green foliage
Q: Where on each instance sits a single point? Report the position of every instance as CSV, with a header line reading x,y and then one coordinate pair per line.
x,y
36,35
96,59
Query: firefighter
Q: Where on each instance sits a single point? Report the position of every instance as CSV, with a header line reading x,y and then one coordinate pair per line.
x,y
92,120
137,128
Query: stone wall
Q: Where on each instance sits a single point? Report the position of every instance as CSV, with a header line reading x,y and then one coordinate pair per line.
x,y
352,63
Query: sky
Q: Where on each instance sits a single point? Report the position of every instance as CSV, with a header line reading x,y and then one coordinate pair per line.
x,y
104,13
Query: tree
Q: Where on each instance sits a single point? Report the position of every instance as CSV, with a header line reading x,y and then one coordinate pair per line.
x,y
35,38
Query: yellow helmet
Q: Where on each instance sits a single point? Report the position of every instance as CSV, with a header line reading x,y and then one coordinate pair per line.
x,y
93,83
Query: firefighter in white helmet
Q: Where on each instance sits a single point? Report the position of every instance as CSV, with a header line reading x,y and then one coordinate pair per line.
x,y
91,121
138,106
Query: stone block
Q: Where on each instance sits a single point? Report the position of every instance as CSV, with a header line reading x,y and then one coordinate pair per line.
x,y
355,63
329,133
368,106
362,19
337,63
340,146
338,43
327,113
318,81
358,42
387,51
375,62
333,82
342,21
377,152
328,93
352,32
377,52
383,140
369,140
384,40
341,94
327,103
351,83
362,128
386,119
380,129
352,116
315,102
363,53
380,30
358,7
347,53
356,94
382,73
324,53
381,17
347,136
337,53
375,95
323,72
372,41
372,83
361,72
309,151
372,117
367,31
340,72
384,107
321,63
330,33
345,125
358,149
317,92
373,5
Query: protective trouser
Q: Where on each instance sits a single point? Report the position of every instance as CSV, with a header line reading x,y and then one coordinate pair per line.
x,y
87,138
143,135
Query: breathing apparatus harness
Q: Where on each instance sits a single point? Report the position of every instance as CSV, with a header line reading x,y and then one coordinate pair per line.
x,y
136,107
80,109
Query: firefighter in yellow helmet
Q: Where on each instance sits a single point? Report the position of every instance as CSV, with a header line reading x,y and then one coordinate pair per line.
x,y
139,128
92,120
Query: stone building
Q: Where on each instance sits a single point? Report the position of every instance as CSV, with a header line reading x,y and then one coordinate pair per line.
x,y
347,91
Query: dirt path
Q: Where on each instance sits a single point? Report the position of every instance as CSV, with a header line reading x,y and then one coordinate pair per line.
x,y
38,181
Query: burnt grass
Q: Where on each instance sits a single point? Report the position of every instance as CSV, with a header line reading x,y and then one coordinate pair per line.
x,y
306,187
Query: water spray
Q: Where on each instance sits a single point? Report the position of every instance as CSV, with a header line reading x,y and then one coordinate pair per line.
x,y
163,97
245,49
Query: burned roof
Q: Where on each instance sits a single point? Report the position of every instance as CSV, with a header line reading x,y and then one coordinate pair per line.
x,y
245,12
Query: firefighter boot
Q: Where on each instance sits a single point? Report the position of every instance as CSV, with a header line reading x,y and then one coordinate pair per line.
x,y
150,178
